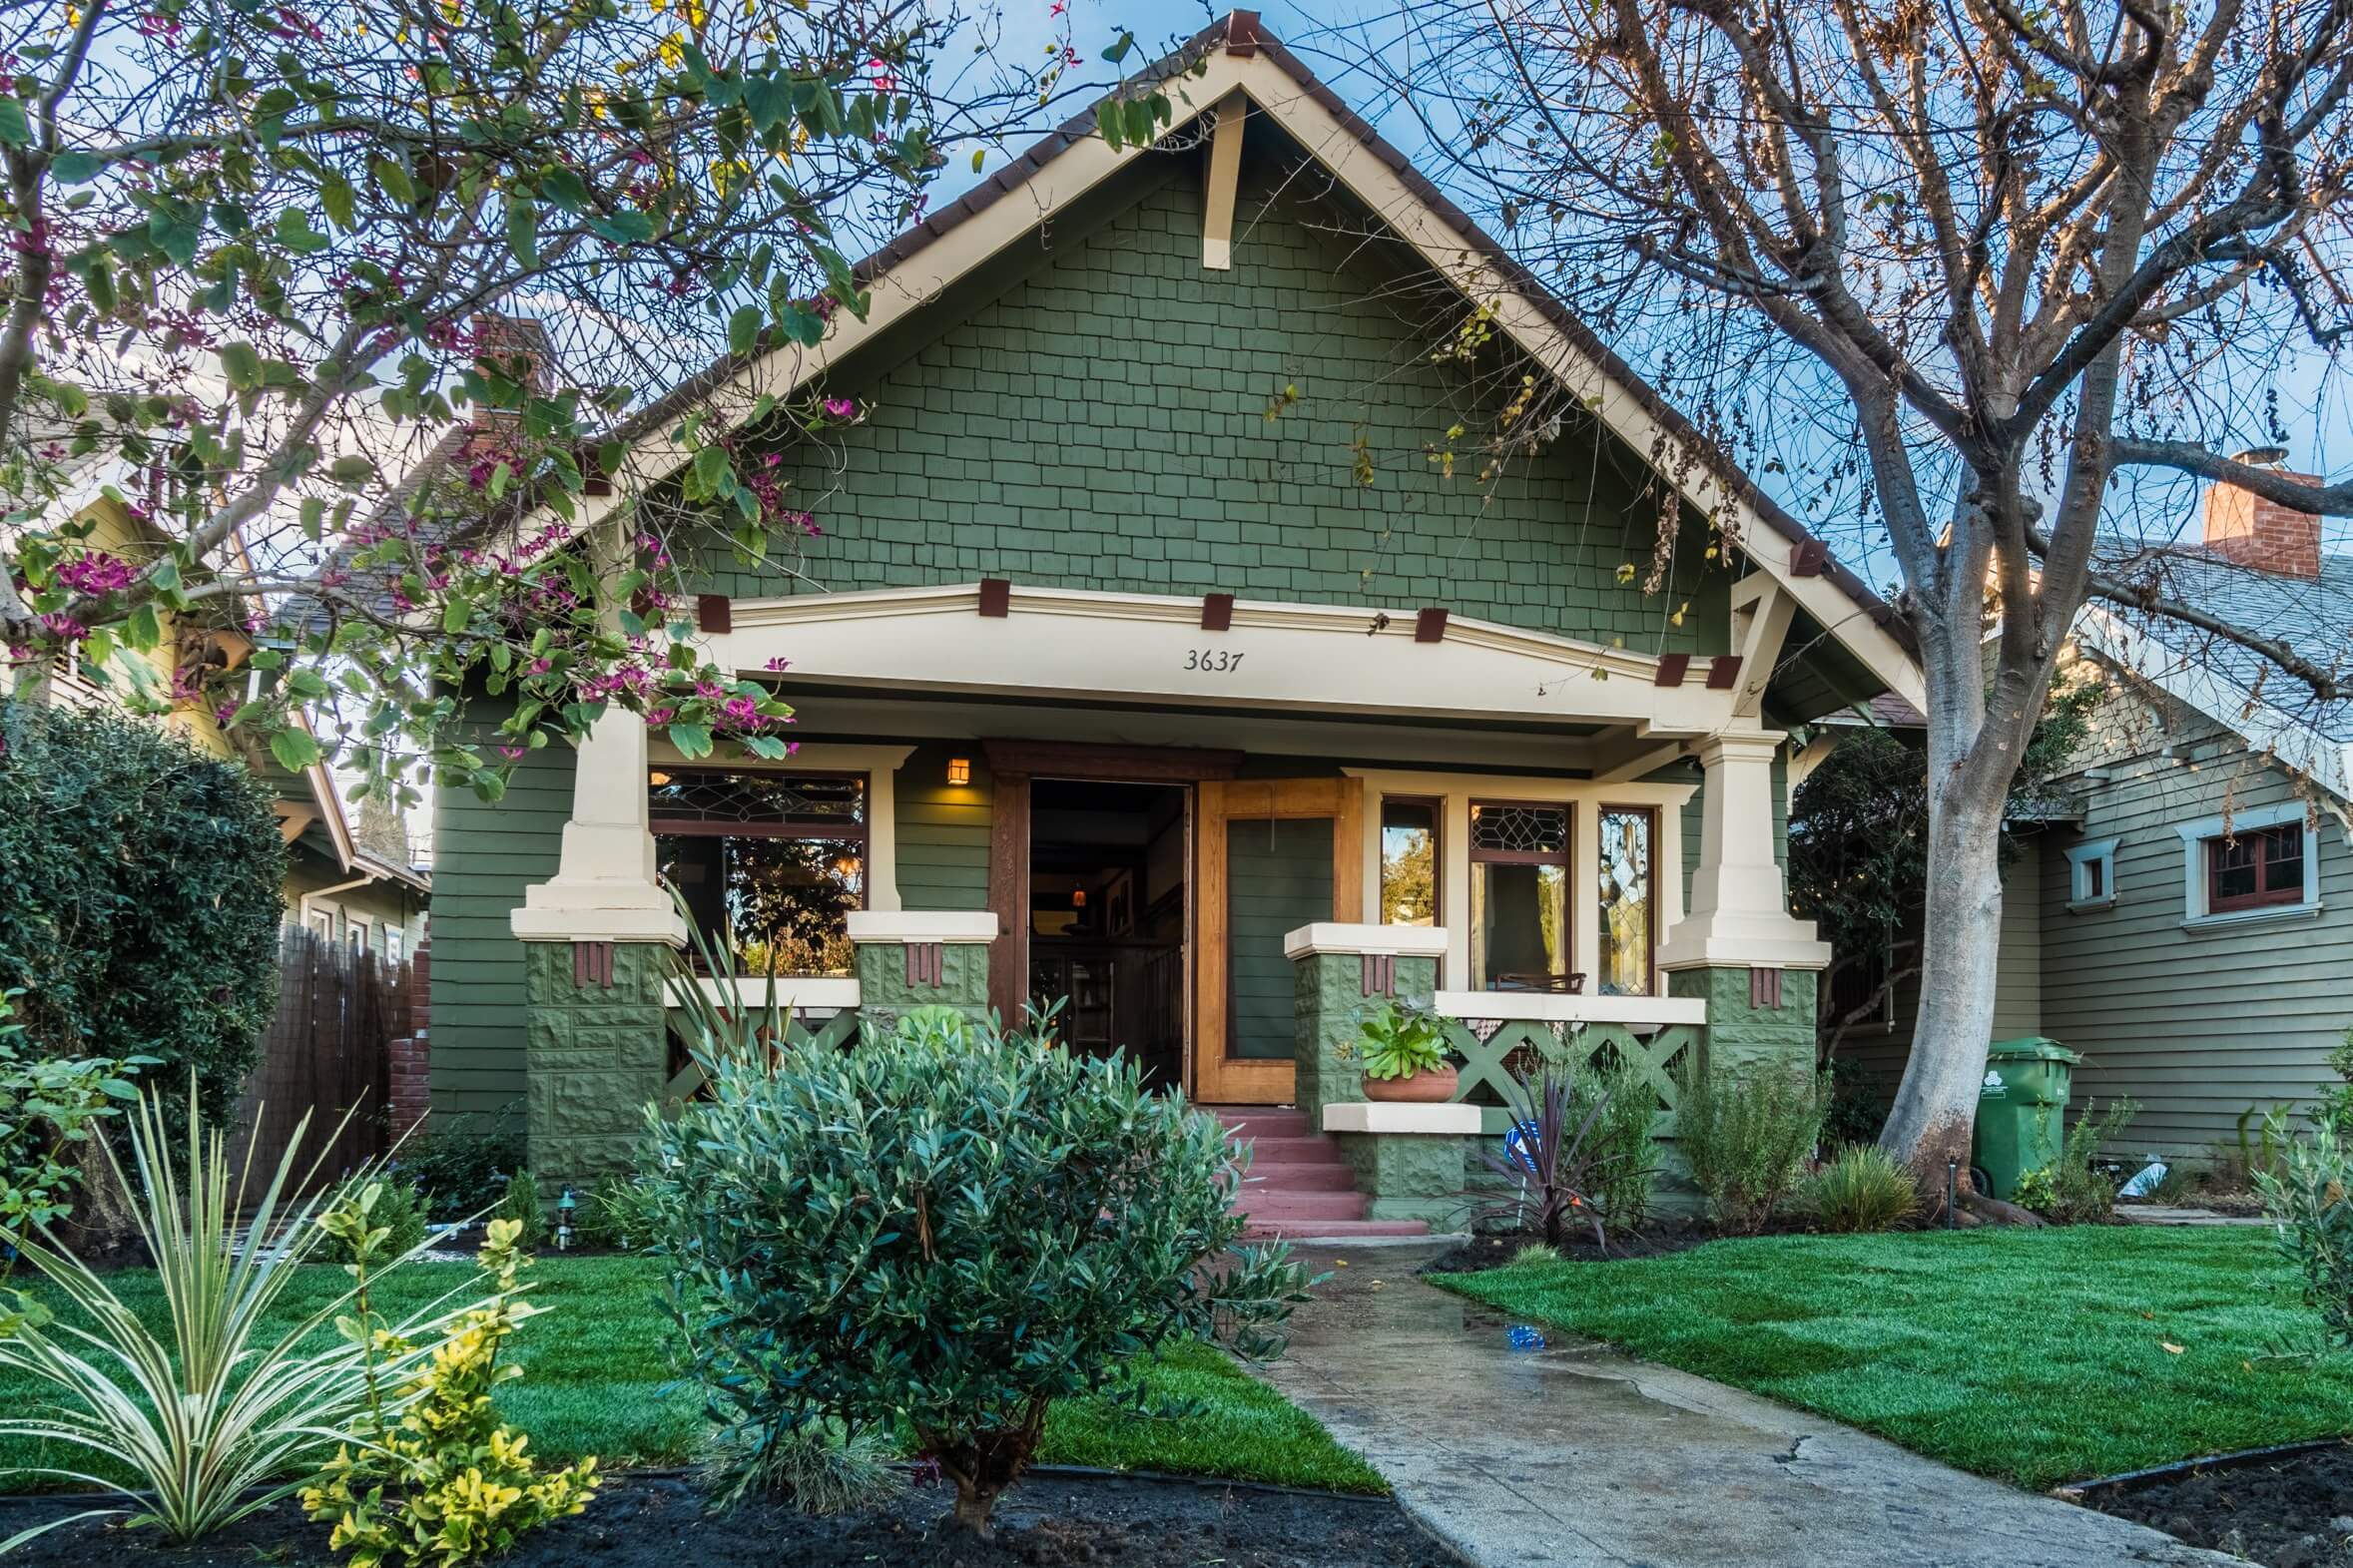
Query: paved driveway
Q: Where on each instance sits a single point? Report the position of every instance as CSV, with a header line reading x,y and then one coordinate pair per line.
x,y
1576,1457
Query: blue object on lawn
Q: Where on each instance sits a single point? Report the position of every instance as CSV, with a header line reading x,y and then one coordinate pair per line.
x,y
1526,1337
1518,1146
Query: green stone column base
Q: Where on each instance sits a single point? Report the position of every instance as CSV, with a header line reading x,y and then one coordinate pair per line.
x,y
1331,1007
1409,1176
1743,1037
596,1056
885,994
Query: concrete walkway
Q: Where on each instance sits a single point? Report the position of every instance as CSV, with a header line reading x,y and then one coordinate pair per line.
x,y
1577,1457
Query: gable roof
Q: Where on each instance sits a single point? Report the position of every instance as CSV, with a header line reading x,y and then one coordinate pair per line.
x,y
2237,686
1237,56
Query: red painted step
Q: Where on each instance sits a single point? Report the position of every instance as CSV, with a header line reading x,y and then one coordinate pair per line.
x,y
1300,1188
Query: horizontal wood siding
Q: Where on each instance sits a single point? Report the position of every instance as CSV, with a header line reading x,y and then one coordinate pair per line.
x,y
943,830
2194,1025
485,855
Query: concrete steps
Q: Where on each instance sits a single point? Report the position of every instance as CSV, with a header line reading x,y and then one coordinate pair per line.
x,y
1300,1188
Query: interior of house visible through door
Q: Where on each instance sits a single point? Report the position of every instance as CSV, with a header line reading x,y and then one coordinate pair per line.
x,y
1108,917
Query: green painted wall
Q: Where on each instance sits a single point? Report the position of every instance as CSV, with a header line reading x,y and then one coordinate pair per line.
x,y
1100,421
485,855
943,830
1279,877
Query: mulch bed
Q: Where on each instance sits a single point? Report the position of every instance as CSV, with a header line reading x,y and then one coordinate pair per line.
x,y
1657,1240
661,1522
2292,1510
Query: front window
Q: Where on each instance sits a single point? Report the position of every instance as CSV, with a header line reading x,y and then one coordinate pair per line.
x,y
1519,857
2255,868
771,863
1628,838
1408,862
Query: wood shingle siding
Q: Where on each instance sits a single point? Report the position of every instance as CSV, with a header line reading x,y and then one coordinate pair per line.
x,y
943,830
1100,421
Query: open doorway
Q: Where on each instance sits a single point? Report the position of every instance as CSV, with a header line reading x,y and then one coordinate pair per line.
x,y
1108,917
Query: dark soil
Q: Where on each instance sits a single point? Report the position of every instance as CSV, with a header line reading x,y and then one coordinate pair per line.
x,y
1657,1239
660,1522
2294,1510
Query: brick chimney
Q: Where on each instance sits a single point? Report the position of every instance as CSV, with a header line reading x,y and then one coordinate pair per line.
x,y
514,346
2242,527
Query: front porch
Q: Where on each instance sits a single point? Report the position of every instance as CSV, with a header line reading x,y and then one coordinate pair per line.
x,y
1563,847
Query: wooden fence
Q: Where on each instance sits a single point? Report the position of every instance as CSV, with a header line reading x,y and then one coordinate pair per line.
x,y
329,1051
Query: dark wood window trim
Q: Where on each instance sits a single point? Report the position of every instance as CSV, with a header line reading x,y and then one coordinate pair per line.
x,y
1568,978
2260,843
834,829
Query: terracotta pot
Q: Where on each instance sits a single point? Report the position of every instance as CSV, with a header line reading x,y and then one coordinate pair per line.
x,y
1430,1086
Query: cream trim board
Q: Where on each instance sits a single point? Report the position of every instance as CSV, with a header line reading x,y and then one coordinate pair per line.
x,y
1639,1012
2194,838
1341,936
1082,643
881,764
2081,859
818,994
923,925
1584,796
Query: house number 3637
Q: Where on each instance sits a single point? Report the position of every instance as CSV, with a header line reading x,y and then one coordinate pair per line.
x,y
1215,661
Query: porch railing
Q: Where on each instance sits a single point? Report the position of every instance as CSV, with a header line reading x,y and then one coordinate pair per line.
x,y
1499,1033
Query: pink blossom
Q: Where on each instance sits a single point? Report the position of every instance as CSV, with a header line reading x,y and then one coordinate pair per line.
x,y
95,573
513,753
840,407
780,663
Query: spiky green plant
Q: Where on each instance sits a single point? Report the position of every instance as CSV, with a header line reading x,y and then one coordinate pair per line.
x,y
215,1414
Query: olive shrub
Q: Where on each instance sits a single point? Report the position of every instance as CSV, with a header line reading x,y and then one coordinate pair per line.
x,y
945,1235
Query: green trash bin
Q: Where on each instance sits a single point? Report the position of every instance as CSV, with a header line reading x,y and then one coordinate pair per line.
x,y
2021,1111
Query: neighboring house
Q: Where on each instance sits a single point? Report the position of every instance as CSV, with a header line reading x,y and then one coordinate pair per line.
x,y
1116,683
352,884
2179,909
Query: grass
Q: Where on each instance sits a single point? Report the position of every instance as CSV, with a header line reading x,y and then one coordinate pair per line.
x,y
2037,1356
597,1380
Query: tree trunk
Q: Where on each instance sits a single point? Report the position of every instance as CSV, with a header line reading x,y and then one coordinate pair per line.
x,y
1935,1113
983,1466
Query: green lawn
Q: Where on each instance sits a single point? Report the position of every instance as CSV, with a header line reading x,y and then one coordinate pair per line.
x,y
597,1380
2039,1357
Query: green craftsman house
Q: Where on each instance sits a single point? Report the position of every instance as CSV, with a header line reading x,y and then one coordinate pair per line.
x,y
1155,654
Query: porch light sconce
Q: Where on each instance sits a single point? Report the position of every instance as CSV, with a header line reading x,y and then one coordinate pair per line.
x,y
1078,898
959,769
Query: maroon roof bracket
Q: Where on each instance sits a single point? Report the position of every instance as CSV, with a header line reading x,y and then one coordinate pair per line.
x,y
996,597
714,613
1671,669
1217,612
1722,671
1808,557
1429,625
1242,34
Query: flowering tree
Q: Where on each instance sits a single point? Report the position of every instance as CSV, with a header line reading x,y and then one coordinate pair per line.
x,y
1977,276
356,309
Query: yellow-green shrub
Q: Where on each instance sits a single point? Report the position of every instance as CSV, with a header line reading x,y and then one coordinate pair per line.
x,y
441,1479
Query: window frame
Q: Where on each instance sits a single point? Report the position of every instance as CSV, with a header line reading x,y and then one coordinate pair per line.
x,y
1651,899
802,829
2081,858
1566,858
2200,912
2265,897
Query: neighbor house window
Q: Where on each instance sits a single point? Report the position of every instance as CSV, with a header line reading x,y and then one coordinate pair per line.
x,y
1409,862
1627,917
1519,857
771,863
2255,869
2092,874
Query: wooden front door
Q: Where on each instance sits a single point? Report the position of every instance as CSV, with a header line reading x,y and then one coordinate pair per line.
x,y
1271,856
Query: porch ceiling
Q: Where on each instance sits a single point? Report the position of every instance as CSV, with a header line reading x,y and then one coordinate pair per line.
x,y
832,711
